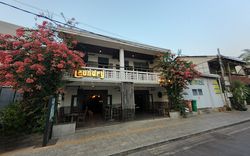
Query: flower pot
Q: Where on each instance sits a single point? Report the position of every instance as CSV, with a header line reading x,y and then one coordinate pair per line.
x,y
174,115
61,130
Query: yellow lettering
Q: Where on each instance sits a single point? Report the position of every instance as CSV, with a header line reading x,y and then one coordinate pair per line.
x,y
89,73
97,73
102,75
76,74
79,73
84,73
94,73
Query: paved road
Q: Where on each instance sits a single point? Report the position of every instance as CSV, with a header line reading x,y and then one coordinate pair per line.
x,y
231,141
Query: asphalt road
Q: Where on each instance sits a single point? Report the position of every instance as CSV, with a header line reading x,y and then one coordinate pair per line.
x,y
231,141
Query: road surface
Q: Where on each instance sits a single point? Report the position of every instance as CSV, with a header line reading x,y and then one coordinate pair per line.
x,y
231,141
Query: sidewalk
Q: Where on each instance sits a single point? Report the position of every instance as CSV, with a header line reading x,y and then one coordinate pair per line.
x,y
127,136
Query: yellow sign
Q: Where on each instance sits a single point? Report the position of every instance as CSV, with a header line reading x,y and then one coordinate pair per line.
x,y
89,73
216,87
197,82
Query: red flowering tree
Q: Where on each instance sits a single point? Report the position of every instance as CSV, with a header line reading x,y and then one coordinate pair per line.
x,y
175,77
33,62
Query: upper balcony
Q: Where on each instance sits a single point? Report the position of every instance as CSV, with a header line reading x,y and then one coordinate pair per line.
x,y
92,74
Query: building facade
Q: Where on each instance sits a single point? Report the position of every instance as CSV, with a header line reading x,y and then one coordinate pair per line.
x,y
229,70
119,81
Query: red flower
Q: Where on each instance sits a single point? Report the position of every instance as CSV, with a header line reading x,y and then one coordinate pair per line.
x,y
27,60
27,45
20,69
29,80
16,43
74,42
44,23
34,53
40,57
20,32
9,76
60,66
8,59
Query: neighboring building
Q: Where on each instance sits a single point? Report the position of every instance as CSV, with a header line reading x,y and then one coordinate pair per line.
x,y
233,70
206,91
8,28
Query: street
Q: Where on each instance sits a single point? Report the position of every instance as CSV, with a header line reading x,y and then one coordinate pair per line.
x,y
233,140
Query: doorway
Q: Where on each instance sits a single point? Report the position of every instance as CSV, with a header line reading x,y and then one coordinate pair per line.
x,y
92,104
143,104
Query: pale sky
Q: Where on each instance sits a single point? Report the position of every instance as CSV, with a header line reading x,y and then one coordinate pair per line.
x,y
197,27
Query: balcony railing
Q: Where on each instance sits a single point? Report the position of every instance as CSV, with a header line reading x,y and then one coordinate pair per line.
x,y
113,75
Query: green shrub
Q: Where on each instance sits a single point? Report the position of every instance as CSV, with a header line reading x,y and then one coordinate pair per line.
x,y
12,119
240,93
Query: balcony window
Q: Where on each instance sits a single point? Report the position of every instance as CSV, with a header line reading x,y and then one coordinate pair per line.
x,y
127,66
141,66
103,62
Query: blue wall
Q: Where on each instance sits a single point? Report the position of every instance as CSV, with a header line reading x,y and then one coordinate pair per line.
x,y
7,95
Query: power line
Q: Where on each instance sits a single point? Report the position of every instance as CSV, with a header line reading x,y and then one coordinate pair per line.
x,y
35,14
65,24
81,23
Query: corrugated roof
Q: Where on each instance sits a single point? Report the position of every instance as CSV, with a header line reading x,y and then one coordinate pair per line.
x,y
243,79
215,56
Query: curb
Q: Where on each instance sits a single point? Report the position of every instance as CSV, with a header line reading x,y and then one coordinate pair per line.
x,y
130,151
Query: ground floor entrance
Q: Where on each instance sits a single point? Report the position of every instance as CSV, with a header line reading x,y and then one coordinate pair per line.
x,y
92,107
100,105
144,104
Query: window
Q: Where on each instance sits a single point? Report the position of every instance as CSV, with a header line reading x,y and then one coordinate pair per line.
x,y
103,62
197,92
141,66
127,67
194,92
200,92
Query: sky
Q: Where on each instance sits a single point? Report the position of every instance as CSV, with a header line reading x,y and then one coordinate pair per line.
x,y
197,27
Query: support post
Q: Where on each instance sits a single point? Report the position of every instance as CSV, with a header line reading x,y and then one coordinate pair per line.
x,y
121,58
127,100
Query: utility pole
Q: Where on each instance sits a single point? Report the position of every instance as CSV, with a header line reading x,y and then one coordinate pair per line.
x,y
222,76
221,64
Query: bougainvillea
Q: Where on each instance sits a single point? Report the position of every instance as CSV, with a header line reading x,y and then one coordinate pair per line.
x,y
175,77
33,60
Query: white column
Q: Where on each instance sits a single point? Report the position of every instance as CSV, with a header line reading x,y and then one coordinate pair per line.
x,y
121,56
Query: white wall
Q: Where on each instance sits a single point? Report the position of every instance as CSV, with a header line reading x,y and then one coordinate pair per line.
x,y
201,62
209,99
155,92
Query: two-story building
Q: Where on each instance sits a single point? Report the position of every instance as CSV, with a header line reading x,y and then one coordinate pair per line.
x,y
233,69
119,81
